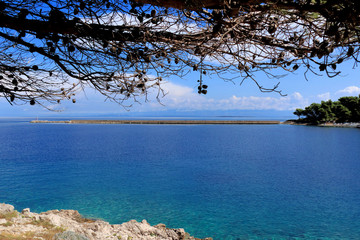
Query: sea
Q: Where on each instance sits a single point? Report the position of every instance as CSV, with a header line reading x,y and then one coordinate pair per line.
x,y
221,181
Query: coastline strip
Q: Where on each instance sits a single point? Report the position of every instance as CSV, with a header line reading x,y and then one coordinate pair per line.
x,y
158,122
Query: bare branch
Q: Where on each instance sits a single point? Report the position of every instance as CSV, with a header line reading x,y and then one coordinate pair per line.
x,y
50,50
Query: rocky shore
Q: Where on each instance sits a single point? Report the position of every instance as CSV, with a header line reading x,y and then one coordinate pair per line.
x,y
328,124
70,225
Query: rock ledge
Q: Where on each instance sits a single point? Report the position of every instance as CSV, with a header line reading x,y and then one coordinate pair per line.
x,y
70,225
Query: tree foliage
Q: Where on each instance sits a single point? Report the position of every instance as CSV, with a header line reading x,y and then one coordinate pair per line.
x,y
346,109
50,49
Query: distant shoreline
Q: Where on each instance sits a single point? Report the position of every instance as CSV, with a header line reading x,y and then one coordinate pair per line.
x,y
328,124
158,122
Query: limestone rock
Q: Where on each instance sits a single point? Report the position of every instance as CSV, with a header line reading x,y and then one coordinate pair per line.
x,y
70,225
6,208
69,235
160,226
25,210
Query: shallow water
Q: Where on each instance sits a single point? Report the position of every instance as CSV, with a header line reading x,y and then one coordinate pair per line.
x,y
220,181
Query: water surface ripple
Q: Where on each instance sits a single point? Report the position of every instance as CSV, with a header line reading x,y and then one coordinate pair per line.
x,y
222,181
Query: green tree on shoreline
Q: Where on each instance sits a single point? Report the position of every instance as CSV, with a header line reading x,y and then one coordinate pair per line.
x,y
346,109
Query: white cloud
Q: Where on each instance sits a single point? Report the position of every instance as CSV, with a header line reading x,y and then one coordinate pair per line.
x,y
185,98
297,96
177,91
179,98
324,96
352,90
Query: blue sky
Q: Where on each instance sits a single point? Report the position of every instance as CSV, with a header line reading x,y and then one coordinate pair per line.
x,y
222,98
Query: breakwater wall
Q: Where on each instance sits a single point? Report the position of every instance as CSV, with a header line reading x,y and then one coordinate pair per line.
x,y
157,122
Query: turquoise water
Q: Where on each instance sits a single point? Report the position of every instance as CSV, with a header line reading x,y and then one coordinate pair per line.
x,y
220,181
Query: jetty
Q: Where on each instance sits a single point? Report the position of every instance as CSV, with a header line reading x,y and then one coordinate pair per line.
x,y
158,122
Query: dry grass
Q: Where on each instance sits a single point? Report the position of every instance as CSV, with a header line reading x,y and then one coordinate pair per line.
x,y
9,216
12,236
42,223
48,235
7,224
81,219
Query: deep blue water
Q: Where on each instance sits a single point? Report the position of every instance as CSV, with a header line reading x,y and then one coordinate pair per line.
x,y
220,181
